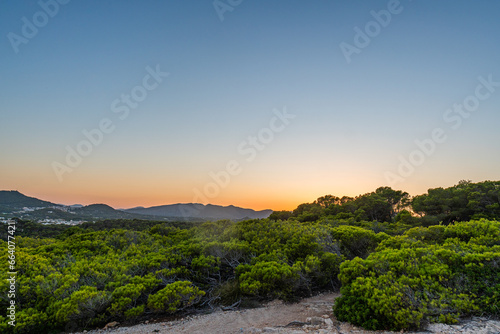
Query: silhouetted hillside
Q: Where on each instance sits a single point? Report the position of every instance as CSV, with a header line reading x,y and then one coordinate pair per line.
x,y
201,211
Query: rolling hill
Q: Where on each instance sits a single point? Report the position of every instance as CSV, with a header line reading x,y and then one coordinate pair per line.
x,y
14,200
195,210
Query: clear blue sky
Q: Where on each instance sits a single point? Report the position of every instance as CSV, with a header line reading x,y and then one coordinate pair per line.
x,y
353,121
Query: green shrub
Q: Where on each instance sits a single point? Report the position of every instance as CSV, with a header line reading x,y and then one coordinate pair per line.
x,y
435,274
26,321
268,279
134,312
81,307
124,298
356,241
175,296
229,292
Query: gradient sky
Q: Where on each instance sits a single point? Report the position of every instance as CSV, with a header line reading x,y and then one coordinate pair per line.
x,y
227,79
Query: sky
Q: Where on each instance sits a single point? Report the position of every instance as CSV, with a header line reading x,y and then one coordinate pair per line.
x,y
259,104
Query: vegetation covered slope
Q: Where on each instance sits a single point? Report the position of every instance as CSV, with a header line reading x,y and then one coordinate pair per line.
x,y
12,200
397,269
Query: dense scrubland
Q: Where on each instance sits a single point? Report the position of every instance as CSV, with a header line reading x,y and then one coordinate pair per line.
x,y
399,262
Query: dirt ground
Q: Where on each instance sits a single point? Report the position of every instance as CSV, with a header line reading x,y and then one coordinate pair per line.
x,y
311,315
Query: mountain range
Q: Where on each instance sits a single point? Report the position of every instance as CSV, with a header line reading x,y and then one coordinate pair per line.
x,y
202,211
15,204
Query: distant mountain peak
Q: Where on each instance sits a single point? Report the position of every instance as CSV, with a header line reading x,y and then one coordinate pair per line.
x,y
14,198
137,207
99,206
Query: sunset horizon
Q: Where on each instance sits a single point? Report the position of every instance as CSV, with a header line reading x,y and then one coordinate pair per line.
x,y
141,201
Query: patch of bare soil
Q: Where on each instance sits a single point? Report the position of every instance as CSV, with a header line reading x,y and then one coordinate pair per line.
x,y
311,315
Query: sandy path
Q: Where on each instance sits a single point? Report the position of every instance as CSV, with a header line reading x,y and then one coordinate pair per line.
x,y
274,316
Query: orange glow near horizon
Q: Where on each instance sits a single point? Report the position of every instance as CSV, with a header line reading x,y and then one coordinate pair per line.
x,y
260,187
257,199
123,202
